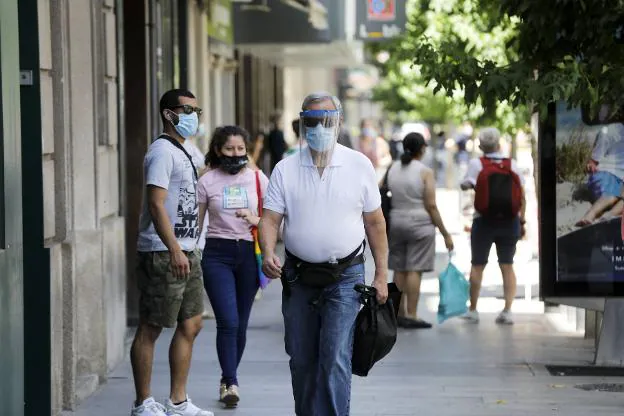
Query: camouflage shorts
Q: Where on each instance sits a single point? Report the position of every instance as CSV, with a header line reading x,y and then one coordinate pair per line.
x,y
165,299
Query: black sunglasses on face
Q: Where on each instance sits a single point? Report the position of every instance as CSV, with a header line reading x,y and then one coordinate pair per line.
x,y
188,109
314,121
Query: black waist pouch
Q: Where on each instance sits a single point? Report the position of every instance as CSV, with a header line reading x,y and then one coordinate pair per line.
x,y
320,275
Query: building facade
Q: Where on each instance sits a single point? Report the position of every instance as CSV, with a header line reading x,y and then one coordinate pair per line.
x,y
305,45
64,155
79,85
83,221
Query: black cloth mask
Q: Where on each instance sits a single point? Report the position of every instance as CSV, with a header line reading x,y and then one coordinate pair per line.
x,y
233,164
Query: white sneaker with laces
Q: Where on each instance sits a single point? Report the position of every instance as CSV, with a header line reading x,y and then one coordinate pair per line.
x,y
505,318
471,316
149,407
185,409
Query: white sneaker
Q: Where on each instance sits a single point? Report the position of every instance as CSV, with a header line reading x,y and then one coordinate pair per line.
x,y
471,316
185,409
149,407
504,318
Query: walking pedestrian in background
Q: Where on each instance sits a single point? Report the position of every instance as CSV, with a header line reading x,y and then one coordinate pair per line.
x,y
414,217
499,218
256,150
375,147
277,146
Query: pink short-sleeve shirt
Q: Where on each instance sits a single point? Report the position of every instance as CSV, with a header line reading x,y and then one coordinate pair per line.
x,y
224,194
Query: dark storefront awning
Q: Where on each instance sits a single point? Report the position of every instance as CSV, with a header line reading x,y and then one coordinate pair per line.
x,y
296,32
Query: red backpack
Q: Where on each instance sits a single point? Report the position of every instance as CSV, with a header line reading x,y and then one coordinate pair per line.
x,y
498,192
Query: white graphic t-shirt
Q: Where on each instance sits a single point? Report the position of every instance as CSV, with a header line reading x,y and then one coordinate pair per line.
x,y
167,167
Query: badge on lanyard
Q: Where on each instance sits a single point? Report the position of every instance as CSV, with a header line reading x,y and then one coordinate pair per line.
x,y
235,197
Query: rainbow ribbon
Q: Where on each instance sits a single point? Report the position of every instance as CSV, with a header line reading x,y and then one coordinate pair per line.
x,y
263,281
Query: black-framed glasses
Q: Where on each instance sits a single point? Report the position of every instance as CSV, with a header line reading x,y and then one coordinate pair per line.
x,y
188,109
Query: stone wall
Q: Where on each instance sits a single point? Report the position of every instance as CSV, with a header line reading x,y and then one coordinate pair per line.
x,y
83,225
298,83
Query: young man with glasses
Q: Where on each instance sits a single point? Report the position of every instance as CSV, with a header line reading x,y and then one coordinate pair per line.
x,y
328,197
168,271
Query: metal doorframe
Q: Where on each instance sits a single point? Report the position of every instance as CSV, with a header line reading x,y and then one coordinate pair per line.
x,y
11,246
37,299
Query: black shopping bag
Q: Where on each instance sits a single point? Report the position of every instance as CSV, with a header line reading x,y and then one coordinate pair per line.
x,y
375,328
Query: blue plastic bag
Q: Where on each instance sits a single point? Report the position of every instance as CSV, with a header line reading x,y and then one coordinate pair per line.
x,y
454,293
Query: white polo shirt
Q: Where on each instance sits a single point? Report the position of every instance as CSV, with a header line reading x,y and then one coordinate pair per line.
x,y
323,216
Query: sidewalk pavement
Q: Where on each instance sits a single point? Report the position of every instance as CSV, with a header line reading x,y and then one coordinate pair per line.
x,y
455,368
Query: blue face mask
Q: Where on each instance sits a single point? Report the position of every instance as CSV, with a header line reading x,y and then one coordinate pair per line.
x,y
320,138
187,124
369,132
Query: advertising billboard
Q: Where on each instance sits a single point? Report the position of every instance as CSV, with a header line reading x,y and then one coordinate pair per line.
x,y
582,189
381,10
379,20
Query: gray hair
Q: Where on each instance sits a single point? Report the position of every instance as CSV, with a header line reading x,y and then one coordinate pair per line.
x,y
489,139
317,97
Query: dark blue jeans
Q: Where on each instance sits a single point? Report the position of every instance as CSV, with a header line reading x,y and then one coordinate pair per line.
x,y
319,326
231,282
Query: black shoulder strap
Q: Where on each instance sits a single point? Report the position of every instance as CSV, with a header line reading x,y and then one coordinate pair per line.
x,y
385,178
354,253
179,146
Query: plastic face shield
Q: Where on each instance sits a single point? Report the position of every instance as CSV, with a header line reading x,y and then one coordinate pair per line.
x,y
319,129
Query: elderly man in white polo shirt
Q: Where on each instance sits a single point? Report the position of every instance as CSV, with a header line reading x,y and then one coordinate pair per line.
x,y
329,200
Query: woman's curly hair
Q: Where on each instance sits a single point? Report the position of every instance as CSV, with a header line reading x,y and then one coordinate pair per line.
x,y
220,136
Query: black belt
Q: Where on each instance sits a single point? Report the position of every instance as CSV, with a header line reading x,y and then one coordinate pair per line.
x,y
350,260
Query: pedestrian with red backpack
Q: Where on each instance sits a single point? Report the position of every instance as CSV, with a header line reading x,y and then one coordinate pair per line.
x,y
499,218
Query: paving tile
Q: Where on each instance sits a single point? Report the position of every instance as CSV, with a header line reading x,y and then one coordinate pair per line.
x,y
453,369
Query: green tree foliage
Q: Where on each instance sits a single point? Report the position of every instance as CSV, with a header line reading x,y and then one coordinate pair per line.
x,y
418,83
569,50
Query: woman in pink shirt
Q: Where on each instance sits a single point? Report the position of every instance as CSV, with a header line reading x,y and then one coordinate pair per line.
x,y
228,191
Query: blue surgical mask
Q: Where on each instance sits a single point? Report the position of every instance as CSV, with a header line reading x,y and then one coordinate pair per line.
x,y
187,124
369,132
320,138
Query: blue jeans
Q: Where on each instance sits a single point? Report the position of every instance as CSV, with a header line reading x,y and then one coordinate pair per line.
x,y
231,282
319,326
